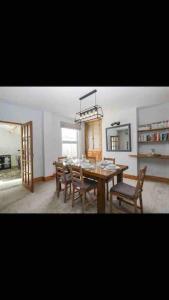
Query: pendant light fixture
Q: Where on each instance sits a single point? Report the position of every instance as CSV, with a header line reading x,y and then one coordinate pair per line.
x,y
91,113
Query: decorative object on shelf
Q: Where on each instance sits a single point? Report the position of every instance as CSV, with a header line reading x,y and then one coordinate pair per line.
x,y
154,132
154,126
91,113
115,123
162,136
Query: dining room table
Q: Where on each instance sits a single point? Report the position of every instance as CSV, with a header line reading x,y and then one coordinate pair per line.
x,y
101,175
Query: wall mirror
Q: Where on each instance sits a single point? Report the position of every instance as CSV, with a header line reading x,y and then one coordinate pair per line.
x,y
118,138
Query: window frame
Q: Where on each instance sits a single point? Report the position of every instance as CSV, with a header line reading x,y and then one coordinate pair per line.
x,y
71,142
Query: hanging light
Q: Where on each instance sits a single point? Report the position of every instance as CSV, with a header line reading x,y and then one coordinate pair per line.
x,y
91,113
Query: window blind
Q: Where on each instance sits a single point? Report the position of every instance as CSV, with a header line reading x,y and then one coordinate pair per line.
x,y
69,125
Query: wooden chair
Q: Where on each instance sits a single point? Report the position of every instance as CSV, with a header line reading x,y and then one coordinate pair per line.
x,y
82,186
63,177
112,180
60,159
128,193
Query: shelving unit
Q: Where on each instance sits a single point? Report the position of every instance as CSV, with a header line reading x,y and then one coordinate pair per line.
x,y
148,134
5,162
139,155
153,142
156,129
155,158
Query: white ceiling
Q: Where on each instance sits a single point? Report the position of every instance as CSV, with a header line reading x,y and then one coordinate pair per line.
x,y
64,100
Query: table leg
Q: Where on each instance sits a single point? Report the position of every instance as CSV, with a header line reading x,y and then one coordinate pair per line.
x,y
101,196
119,179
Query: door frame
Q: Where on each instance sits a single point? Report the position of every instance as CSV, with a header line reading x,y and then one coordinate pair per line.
x,y
18,123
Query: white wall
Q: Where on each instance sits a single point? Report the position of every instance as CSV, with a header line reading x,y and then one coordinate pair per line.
x,y
10,143
46,134
22,114
52,140
146,115
124,116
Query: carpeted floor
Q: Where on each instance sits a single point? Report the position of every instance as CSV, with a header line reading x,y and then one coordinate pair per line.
x,y
14,198
9,174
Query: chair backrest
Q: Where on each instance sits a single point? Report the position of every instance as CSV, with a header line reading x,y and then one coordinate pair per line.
x,y
140,180
76,175
61,171
61,158
92,159
111,159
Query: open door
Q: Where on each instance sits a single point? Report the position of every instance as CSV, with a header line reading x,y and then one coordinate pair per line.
x,y
27,156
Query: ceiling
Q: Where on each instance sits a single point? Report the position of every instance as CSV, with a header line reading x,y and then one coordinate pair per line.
x,y
64,100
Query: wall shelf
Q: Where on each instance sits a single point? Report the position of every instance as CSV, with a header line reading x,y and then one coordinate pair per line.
x,y
154,142
156,129
139,155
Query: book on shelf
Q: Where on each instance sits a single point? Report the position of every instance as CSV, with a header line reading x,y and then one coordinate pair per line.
x,y
154,137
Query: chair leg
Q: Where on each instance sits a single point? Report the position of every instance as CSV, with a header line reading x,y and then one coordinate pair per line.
x,y
70,190
65,192
111,200
83,202
135,206
58,188
141,203
107,190
73,194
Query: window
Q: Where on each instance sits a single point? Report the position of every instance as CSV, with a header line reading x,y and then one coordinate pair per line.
x,y
69,142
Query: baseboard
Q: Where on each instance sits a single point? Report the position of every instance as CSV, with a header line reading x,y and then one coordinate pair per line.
x,y
37,179
148,178
48,178
157,179
129,176
42,178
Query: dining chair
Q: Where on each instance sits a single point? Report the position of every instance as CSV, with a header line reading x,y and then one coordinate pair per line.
x,y
82,187
63,177
128,193
112,179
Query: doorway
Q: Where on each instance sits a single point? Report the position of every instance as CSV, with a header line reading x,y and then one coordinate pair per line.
x,y
10,155
16,155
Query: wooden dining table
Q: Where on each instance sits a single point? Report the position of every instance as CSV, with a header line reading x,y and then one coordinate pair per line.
x,y
102,176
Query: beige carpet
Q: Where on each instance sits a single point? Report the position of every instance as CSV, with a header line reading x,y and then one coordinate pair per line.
x,y
9,174
16,199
